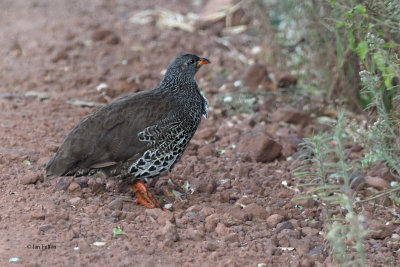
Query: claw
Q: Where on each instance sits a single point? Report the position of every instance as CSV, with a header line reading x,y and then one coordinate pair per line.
x,y
144,196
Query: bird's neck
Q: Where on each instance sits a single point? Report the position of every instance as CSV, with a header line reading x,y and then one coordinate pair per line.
x,y
178,81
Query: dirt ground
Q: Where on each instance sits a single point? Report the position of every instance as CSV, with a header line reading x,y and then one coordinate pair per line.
x,y
239,209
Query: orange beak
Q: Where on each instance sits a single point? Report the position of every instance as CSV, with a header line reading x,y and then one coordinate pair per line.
x,y
203,61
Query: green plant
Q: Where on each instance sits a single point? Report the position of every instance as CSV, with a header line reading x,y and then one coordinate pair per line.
x,y
381,137
324,42
333,182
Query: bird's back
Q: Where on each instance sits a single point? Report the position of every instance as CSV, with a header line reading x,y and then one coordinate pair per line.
x,y
109,135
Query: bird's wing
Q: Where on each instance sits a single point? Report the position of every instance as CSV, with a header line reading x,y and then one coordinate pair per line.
x,y
108,135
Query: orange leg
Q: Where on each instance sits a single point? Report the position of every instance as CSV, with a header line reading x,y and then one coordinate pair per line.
x,y
144,196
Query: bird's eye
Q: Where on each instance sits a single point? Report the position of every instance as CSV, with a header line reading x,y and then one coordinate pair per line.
x,y
190,62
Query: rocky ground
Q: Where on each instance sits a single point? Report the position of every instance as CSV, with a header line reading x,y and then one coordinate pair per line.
x,y
230,199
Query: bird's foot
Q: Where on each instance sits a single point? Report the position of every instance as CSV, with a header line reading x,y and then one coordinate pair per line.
x,y
144,196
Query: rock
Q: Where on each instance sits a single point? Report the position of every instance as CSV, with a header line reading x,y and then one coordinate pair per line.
x,y
166,217
63,183
244,201
305,203
286,235
83,245
223,197
113,39
206,134
43,161
382,171
130,216
68,235
194,208
231,238
39,215
290,115
106,35
258,147
97,188
203,184
302,246
244,171
257,212
211,222
116,204
256,187
60,55
193,217
274,219
74,200
207,211
206,151
170,233
235,215
285,79
117,214
318,250
290,145
189,169
101,34
53,147
379,230
195,235
61,216
306,262
30,178
210,246
45,228
76,231
222,230
7,96
377,182
154,213
284,225
308,231
75,190
256,77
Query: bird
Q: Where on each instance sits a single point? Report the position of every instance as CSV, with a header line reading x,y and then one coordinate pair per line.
x,y
140,136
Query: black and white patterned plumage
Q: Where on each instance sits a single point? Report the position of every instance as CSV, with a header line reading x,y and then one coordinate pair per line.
x,y
138,136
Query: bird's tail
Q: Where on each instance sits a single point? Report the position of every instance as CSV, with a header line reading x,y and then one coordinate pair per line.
x,y
58,166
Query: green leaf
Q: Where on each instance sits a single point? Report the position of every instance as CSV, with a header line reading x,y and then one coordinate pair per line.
x,y
388,76
352,40
118,231
380,33
362,49
26,162
360,9
340,24
380,61
388,45
333,3
349,15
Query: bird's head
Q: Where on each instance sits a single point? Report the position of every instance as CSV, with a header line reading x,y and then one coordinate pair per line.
x,y
184,67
